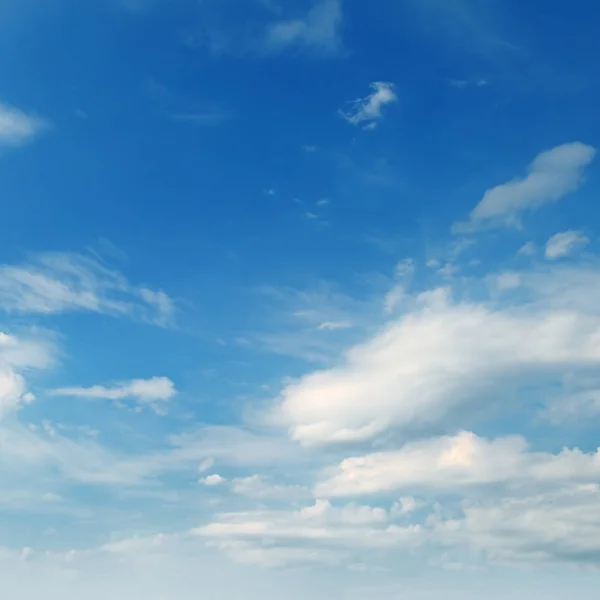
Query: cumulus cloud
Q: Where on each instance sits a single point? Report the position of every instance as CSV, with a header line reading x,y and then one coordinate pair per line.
x,y
18,356
318,31
63,282
368,111
442,353
565,243
303,535
454,463
213,480
551,176
562,526
17,127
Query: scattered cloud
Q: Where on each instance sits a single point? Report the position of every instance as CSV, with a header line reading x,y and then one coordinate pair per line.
x,y
527,249
305,535
581,406
143,391
454,463
441,354
508,280
319,31
563,244
18,356
463,83
333,325
214,480
64,282
260,488
368,111
85,460
17,127
205,465
468,23
552,175
561,526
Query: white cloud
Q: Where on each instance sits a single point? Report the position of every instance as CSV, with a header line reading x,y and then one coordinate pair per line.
x,y
333,325
214,480
318,31
308,532
463,83
440,354
205,465
368,110
62,282
259,487
581,406
17,127
12,391
562,526
552,175
456,463
84,460
506,281
565,243
527,249
393,298
17,356
143,391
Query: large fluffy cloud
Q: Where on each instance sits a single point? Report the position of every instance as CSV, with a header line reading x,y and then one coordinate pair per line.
x,y
457,463
444,352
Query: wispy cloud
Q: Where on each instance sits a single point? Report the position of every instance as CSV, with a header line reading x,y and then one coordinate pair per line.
x,y
18,127
142,391
470,24
565,243
64,282
441,354
271,30
334,325
464,83
552,175
368,110
318,31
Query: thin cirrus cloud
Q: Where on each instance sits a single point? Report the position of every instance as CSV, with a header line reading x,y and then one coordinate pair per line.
x,y
68,282
563,244
368,111
143,391
551,176
314,32
318,31
17,127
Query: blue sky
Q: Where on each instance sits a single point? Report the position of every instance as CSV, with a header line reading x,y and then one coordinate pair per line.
x,y
299,298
